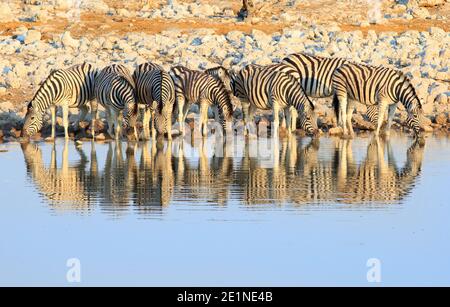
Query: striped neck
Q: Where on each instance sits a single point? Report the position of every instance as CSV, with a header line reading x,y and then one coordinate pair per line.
x,y
221,98
45,95
406,94
299,100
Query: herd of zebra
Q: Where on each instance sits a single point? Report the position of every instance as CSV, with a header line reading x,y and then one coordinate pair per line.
x,y
285,88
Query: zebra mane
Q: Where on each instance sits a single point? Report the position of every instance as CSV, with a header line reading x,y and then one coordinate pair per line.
x,y
222,91
160,103
41,85
299,88
216,70
406,83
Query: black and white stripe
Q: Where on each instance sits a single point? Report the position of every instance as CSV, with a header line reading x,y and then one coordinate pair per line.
x,y
192,86
156,92
114,90
315,75
222,74
68,88
374,86
267,88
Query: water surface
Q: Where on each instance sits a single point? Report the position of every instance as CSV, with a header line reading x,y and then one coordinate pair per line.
x,y
297,211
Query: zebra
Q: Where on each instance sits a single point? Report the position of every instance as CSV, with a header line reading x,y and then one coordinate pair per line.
x,y
115,91
315,75
374,86
69,88
193,86
266,88
156,92
222,74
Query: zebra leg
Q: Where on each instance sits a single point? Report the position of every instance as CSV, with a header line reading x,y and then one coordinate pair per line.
x,y
94,115
180,103
350,109
343,114
53,112
152,123
287,118
382,106
169,126
186,108
109,119
146,122
118,124
251,119
276,118
294,116
204,118
245,116
65,110
391,113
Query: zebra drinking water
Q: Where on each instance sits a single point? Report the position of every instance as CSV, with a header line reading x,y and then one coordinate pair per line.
x,y
374,86
262,87
193,86
156,93
69,88
115,91
315,75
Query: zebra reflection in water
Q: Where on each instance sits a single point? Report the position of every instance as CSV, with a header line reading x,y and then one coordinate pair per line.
x,y
64,186
148,177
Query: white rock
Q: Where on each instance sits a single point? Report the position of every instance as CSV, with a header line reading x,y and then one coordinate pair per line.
x,y
62,5
6,14
262,39
32,36
68,41
124,13
421,12
235,38
97,6
438,33
442,98
287,17
7,105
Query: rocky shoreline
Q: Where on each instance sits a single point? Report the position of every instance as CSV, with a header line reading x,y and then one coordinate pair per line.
x,y
26,57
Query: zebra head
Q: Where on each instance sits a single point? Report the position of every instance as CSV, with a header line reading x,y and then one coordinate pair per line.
x,y
162,117
33,121
414,120
308,120
305,109
408,97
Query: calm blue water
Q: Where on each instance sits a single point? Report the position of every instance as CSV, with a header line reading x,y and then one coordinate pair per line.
x,y
298,212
